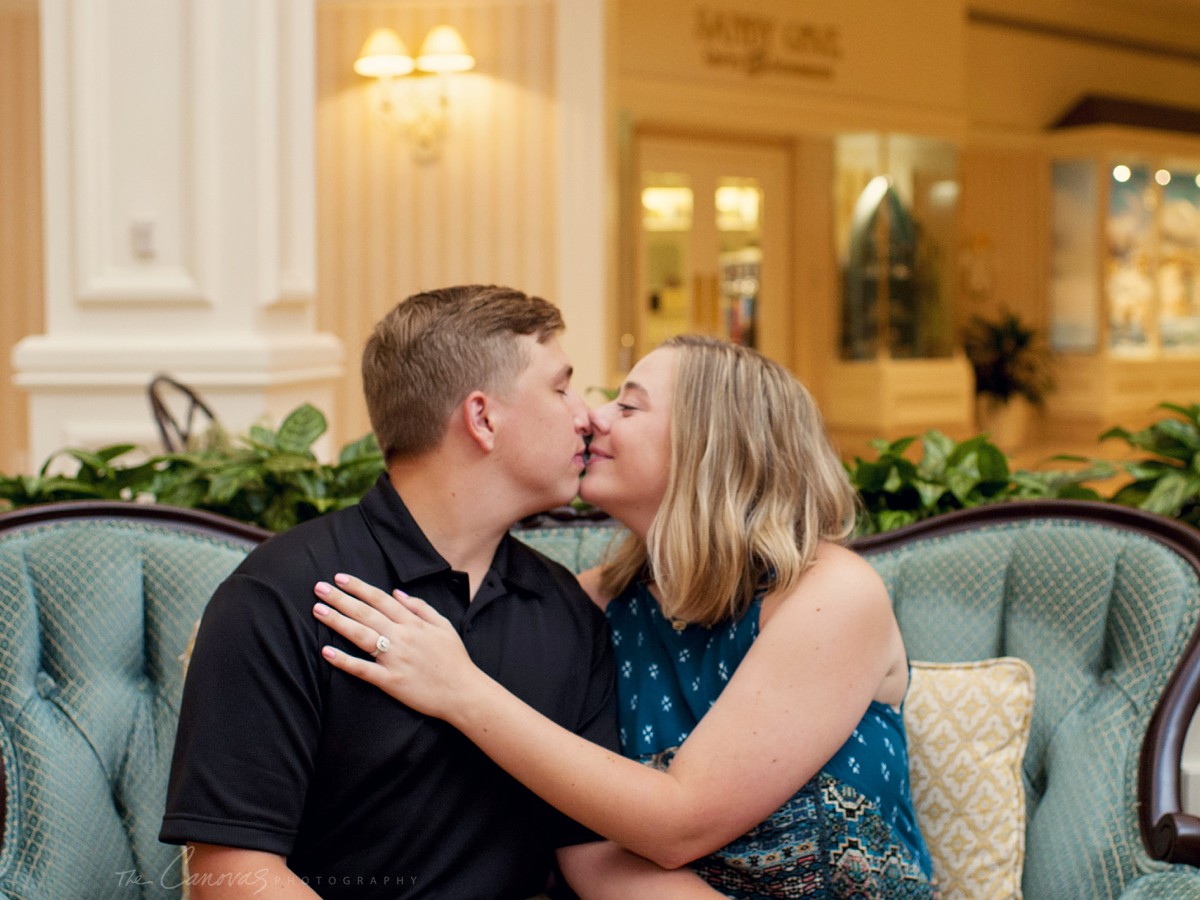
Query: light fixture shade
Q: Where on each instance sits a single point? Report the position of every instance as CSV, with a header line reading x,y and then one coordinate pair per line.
x,y
444,51
382,55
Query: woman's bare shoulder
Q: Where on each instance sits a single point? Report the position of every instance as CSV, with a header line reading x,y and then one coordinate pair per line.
x,y
836,572
589,580
840,563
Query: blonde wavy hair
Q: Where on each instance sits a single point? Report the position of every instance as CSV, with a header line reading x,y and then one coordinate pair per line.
x,y
754,485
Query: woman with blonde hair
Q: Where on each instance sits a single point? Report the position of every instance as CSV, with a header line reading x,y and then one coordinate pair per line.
x,y
760,667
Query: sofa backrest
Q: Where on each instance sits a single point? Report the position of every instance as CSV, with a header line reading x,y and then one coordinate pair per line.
x,y
96,605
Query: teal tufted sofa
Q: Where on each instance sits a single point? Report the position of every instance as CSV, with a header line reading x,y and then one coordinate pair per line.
x,y
97,602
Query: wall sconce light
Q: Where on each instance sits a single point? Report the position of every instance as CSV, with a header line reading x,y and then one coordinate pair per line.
x,y
423,110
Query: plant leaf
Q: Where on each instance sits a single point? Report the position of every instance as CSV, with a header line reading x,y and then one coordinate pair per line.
x,y
1191,412
1117,432
302,426
280,515
992,463
263,437
289,462
895,518
1184,433
930,494
365,447
1167,495
225,484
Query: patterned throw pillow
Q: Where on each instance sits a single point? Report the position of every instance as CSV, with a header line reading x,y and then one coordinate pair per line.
x,y
968,726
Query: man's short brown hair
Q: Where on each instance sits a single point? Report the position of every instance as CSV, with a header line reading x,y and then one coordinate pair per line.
x,y
433,349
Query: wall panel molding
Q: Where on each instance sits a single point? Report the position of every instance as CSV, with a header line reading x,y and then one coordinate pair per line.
x,y
179,197
131,129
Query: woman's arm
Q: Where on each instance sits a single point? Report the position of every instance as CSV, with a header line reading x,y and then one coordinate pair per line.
x,y
795,699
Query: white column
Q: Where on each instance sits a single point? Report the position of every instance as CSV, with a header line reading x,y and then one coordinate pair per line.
x,y
179,185
586,211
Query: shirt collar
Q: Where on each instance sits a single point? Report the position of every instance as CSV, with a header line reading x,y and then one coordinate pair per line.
x,y
398,534
512,563
413,557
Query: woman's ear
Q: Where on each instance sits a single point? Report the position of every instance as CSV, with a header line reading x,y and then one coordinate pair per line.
x,y
477,417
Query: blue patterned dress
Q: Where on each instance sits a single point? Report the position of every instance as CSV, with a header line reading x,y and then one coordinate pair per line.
x,y
850,832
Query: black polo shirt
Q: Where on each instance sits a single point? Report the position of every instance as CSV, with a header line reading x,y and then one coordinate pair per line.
x,y
279,751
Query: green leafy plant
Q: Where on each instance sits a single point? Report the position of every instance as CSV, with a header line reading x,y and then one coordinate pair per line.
x,y
1008,358
273,479
1061,484
896,490
1168,482
97,476
269,478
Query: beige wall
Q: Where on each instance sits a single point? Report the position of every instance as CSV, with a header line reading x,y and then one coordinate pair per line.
x,y
797,74
1023,80
20,215
992,76
388,226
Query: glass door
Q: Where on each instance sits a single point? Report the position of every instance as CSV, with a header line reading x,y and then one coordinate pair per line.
x,y
712,219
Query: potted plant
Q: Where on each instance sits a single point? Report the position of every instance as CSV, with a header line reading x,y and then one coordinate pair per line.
x,y
1012,374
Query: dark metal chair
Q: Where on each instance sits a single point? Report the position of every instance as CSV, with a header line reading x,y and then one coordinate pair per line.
x,y
178,432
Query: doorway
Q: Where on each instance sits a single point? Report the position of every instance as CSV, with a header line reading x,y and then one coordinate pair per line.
x,y
713,225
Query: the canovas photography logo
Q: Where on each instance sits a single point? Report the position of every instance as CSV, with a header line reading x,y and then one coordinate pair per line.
x,y
257,880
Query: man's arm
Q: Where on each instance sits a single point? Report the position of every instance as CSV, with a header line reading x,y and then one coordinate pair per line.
x,y
231,873
601,870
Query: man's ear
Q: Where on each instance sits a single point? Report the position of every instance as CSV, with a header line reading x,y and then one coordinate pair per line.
x,y
477,417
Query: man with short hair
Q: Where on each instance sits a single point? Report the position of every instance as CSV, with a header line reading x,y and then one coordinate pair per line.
x,y
293,779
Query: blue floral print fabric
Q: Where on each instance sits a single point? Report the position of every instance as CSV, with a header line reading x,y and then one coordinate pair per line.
x,y
850,832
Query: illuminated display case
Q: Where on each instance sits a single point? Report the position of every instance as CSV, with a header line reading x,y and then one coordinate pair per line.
x,y
896,206
1125,276
895,225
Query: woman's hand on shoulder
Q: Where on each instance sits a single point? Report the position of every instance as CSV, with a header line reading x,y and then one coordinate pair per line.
x,y
416,655
589,580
